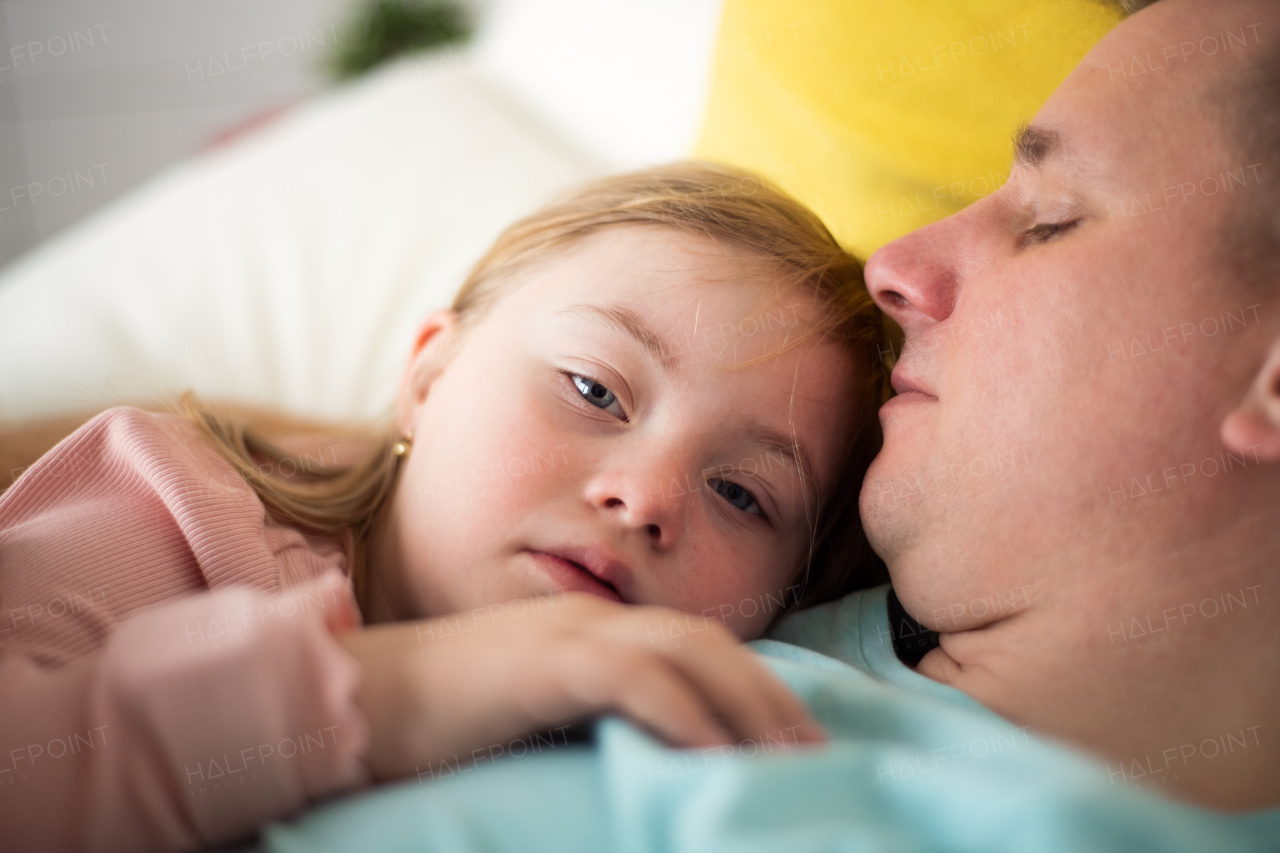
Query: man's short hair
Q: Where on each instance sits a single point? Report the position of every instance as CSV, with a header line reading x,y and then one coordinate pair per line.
x,y
1249,105
1254,123
1251,117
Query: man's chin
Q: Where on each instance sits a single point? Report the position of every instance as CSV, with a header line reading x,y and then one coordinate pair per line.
x,y
894,507
892,494
887,526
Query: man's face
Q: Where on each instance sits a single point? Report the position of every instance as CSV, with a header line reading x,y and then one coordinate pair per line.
x,y
1075,340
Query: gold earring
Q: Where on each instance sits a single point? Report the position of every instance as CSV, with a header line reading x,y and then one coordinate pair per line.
x,y
403,446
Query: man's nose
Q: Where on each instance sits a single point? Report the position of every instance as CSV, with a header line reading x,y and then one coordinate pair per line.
x,y
914,279
646,494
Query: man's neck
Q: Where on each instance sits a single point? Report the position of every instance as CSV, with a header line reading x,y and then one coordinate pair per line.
x,y
1180,697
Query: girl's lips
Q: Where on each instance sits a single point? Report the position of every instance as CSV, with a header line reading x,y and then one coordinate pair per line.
x,y
571,577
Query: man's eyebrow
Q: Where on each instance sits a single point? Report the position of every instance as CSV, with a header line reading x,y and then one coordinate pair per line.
x,y
630,322
793,448
1033,145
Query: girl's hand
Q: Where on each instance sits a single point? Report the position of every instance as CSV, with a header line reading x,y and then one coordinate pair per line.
x,y
437,689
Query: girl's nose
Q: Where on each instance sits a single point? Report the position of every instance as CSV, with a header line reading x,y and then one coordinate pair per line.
x,y
646,496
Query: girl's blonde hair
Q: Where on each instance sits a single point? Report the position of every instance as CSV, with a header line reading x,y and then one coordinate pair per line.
x,y
725,205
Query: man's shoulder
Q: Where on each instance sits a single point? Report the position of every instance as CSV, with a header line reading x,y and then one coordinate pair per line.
x,y
861,631
844,629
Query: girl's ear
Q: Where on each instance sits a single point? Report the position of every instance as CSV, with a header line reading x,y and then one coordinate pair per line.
x,y
1254,425
433,349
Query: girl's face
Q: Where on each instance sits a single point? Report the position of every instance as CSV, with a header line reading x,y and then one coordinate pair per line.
x,y
588,435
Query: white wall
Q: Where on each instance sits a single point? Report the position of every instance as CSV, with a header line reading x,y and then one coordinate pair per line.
x,y
98,95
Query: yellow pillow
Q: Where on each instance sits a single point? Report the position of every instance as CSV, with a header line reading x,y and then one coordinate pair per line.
x,y
885,116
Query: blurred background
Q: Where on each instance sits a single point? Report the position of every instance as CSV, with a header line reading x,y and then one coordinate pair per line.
x,y
98,96
260,201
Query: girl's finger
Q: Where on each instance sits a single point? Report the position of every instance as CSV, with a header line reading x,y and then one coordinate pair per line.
x,y
739,688
755,704
644,687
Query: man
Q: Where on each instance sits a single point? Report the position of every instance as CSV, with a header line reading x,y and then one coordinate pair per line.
x,y
1108,321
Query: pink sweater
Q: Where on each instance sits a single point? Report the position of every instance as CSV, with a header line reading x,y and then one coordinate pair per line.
x,y
168,673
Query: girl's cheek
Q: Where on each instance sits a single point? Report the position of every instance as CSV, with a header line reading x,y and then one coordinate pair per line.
x,y
724,579
527,454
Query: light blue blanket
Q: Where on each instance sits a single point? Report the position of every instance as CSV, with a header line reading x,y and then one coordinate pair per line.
x,y
913,765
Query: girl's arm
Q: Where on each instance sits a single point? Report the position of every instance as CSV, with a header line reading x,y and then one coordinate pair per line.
x,y
158,713
195,723
443,691
23,442
200,720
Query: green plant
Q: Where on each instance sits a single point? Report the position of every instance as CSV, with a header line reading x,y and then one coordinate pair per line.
x,y
382,29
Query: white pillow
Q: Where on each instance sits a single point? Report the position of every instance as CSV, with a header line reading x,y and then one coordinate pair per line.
x,y
290,269
626,82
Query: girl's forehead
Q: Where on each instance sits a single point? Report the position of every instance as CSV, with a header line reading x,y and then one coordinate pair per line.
x,y
676,278
710,309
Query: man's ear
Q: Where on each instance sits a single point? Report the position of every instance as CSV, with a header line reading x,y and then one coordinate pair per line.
x,y
433,349
1254,425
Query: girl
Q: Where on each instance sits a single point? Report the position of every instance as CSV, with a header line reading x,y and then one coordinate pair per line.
x,y
635,439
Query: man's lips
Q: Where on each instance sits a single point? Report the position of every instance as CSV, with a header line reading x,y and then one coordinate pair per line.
x,y
573,576
908,386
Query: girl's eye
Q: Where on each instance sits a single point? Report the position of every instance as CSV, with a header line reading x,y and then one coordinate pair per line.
x,y
1045,232
737,496
596,394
